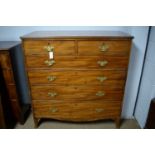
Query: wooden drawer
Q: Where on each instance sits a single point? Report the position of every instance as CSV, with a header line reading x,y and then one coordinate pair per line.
x,y
60,47
16,109
106,62
5,61
12,91
87,77
88,48
83,111
77,92
8,76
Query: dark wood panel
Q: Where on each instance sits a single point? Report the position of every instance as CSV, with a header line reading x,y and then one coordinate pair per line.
x,y
5,61
150,122
2,118
8,51
12,91
8,75
7,119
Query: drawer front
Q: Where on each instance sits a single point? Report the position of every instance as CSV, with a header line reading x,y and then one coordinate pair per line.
x,y
8,76
106,62
39,47
16,109
77,77
5,61
77,92
12,91
88,48
83,111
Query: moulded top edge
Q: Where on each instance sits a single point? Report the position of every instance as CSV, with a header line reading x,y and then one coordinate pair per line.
x,y
76,35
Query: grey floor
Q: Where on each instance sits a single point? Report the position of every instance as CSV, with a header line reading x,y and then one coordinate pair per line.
x,y
52,124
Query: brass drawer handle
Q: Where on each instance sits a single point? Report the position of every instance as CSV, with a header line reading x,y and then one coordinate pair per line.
x,y
100,93
101,78
51,78
49,48
102,63
49,62
99,110
50,94
53,110
104,47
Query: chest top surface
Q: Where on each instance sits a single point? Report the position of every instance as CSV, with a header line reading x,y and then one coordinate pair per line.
x,y
77,35
7,45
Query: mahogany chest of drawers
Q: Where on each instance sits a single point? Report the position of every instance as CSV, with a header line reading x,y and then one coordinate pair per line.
x,y
77,76
7,53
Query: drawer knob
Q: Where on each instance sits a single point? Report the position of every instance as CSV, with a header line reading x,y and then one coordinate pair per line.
x,y
102,63
98,110
49,48
50,94
51,78
49,62
101,78
53,110
100,93
104,47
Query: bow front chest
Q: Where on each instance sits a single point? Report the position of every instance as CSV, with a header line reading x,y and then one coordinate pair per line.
x,y
77,75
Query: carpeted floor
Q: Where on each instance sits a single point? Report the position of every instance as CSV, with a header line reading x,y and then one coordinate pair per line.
x,y
53,124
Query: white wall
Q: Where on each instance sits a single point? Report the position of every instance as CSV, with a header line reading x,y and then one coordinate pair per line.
x,y
147,87
137,54
135,67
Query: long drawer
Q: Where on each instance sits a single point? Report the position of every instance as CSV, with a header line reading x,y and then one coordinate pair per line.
x,y
83,111
70,77
77,92
60,47
106,62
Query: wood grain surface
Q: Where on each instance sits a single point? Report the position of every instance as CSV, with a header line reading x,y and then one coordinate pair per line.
x,y
72,77
71,111
60,47
71,88
113,62
77,92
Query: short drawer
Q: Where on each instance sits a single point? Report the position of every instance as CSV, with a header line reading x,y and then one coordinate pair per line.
x,y
87,77
83,111
77,92
89,48
39,47
105,62
5,61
